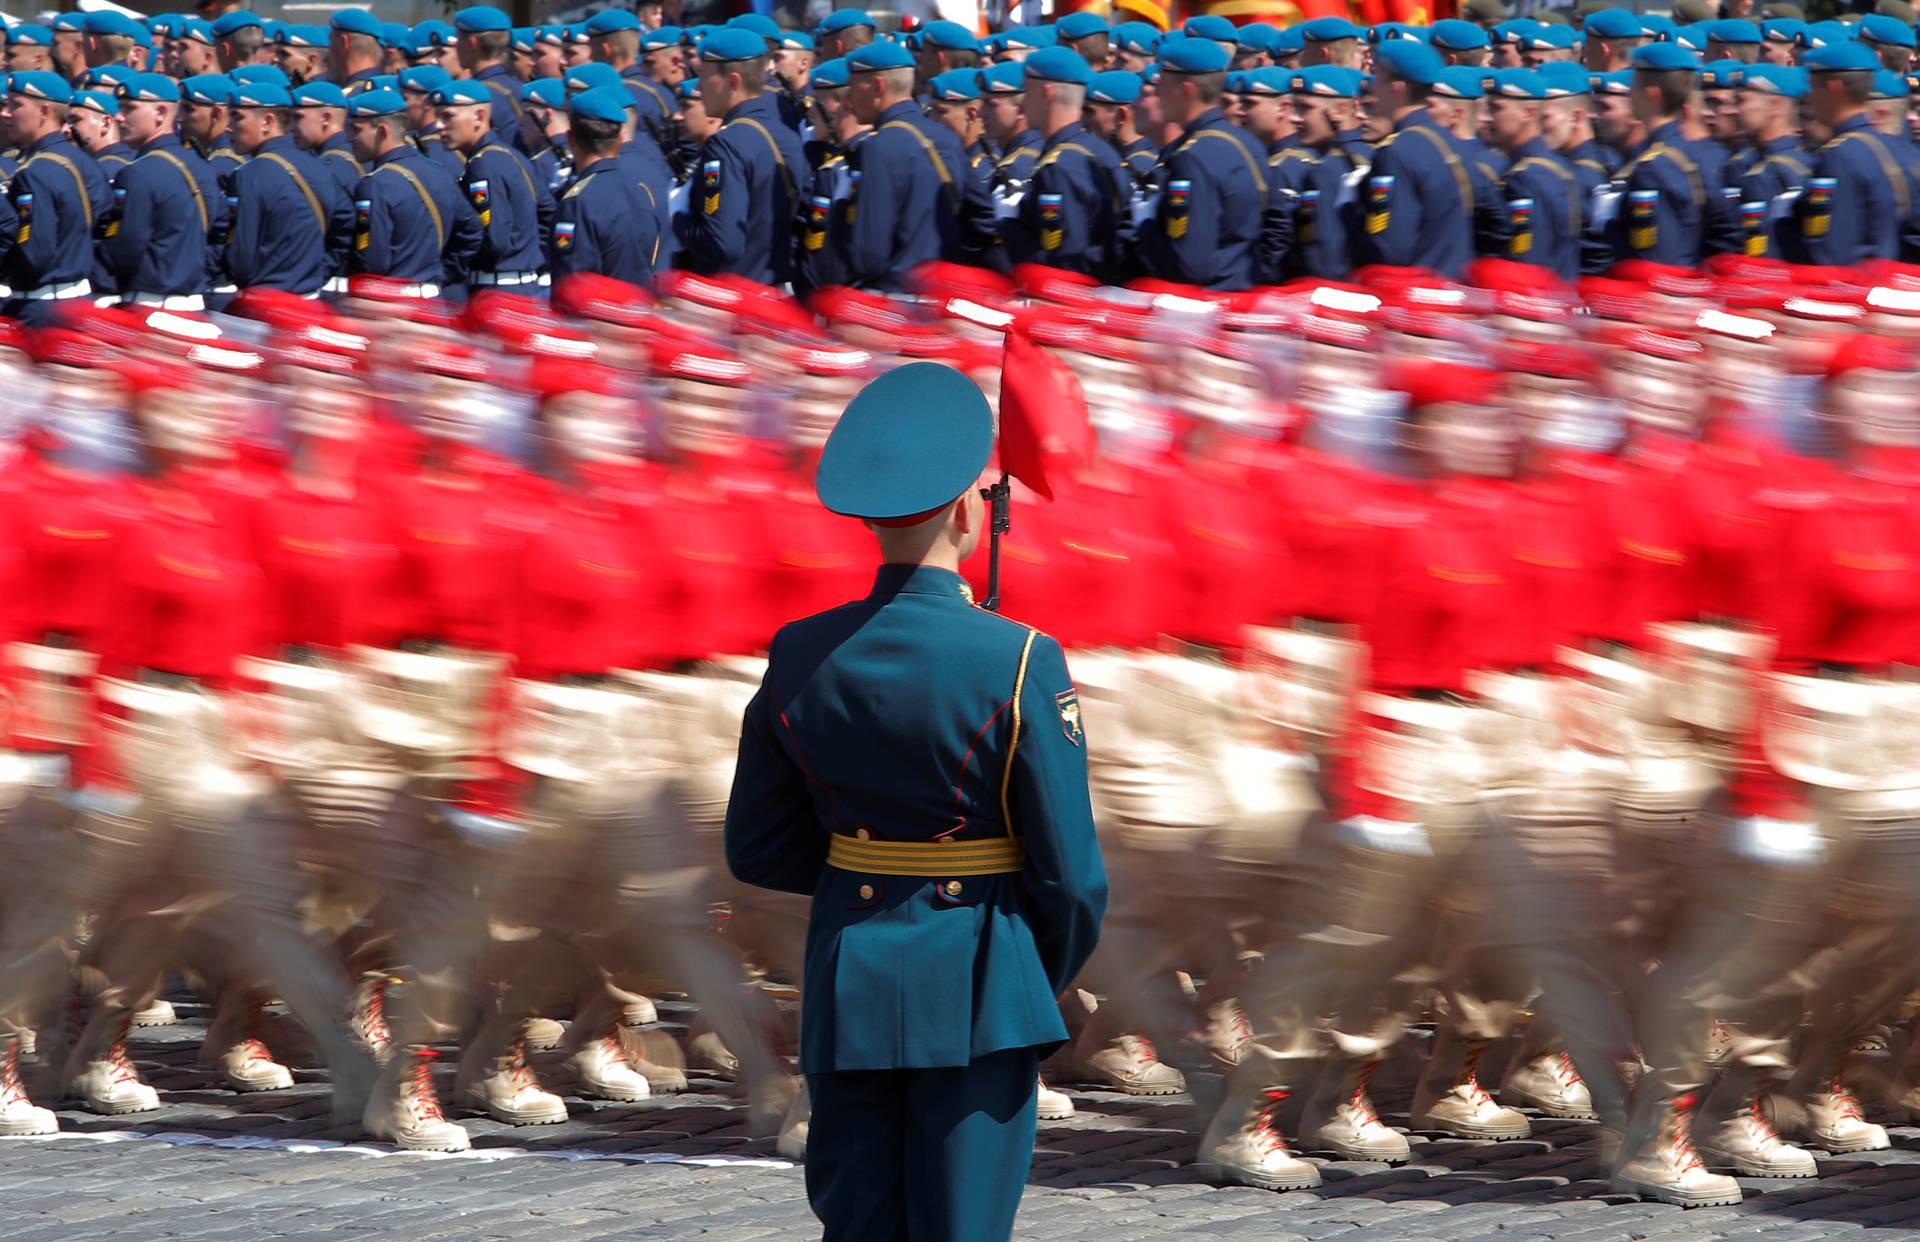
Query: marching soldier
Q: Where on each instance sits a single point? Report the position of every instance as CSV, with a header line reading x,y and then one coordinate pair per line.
x,y
753,177
1858,202
908,175
167,205
483,39
606,222
808,816
417,87
1769,100
1668,211
353,49
1324,102
1068,218
1417,203
95,117
205,100
1543,196
56,198
1208,225
515,207
292,226
412,224
320,127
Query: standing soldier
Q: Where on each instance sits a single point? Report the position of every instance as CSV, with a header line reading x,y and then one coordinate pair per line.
x,y
1858,203
607,223
1209,219
1067,219
292,224
166,205
514,206
1543,196
753,177
906,210
1416,205
484,39
411,224
320,126
922,1081
56,196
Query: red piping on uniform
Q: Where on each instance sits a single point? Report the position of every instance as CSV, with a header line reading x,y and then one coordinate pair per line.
x,y
807,772
963,770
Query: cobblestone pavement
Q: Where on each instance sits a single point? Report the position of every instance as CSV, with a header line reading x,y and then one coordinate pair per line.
x,y
211,1165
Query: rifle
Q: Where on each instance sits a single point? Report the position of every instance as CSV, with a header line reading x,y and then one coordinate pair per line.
x,y
999,500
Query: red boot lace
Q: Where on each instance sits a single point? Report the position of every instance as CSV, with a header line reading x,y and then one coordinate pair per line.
x,y
11,1092
1359,1101
1763,1132
1266,1127
122,1064
425,1100
1469,1077
1144,1048
616,1054
1845,1103
1680,1139
523,1076
375,1018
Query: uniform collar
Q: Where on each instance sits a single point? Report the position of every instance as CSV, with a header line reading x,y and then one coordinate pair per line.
x,y
162,142
1785,142
405,151
1669,134
1419,116
1858,121
278,145
1206,120
905,108
1537,147
1066,133
746,107
920,580
45,142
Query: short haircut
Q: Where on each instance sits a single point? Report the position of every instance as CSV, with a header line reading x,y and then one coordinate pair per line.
x,y
595,136
622,42
1858,85
492,44
246,41
1208,86
1676,86
854,37
960,57
360,44
753,74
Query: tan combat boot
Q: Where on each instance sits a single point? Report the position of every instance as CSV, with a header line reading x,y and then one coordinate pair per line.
x,y
1550,1084
405,1111
1836,1123
510,1092
18,1114
1129,1064
542,1034
1667,1169
1243,1147
232,1047
159,1013
603,1071
1226,1034
106,1082
1353,1130
369,1020
708,1054
792,1139
1463,1108
1051,1105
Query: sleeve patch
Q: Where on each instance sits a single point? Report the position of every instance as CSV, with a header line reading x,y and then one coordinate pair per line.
x,y
1068,701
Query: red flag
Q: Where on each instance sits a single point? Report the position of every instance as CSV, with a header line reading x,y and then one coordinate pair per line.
x,y
1044,430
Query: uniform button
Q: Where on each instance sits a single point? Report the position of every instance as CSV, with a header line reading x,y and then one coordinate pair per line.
x,y
866,892
953,888
863,835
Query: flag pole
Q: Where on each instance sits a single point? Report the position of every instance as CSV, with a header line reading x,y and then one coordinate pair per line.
x,y
999,499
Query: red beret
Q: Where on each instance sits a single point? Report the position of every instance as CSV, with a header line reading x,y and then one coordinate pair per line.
x,y
67,348
1508,276
1861,352
679,359
588,295
1427,381
1559,360
453,360
1674,282
554,376
1052,284
149,376
956,280
834,360
1634,339
838,304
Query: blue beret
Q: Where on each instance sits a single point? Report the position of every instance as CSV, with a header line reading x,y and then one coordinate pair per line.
x,y
733,43
1330,81
1781,29
1258,36
1458,36
1879,28
877,57
207,88
355,21
1009,77
396,35
688,90
1658,25
431,34
1193,56
1413,62
165,25
1151,73
1619,82
479,18
1613,24
951,36
27,34
1517,84
1693,37
319,95
227,23
381,101
954,86
1721,74
1236,81
915,439
611,21
1081,25
1889,85
465,91
149,88
602,103
1735,30
1662,57
1459,82
654,40
1115,86
1059,64
557,35
1821,34
1550,38
292,35
1208,26
424,79
575,34
271,28
1273,80
1140,37
111,22
524,36
1788,80
1386,32
829,75
841,19
108,76
1024,36
591,75
756,23
796,40
74,22
549,91
1327,29
261,95
1563,77
384,82
1848,57
99,101
1514,31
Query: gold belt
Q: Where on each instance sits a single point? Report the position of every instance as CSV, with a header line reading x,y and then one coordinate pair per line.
x,y
928,859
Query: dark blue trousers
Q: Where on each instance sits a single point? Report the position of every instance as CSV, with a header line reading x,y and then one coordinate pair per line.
x,y
922,1155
